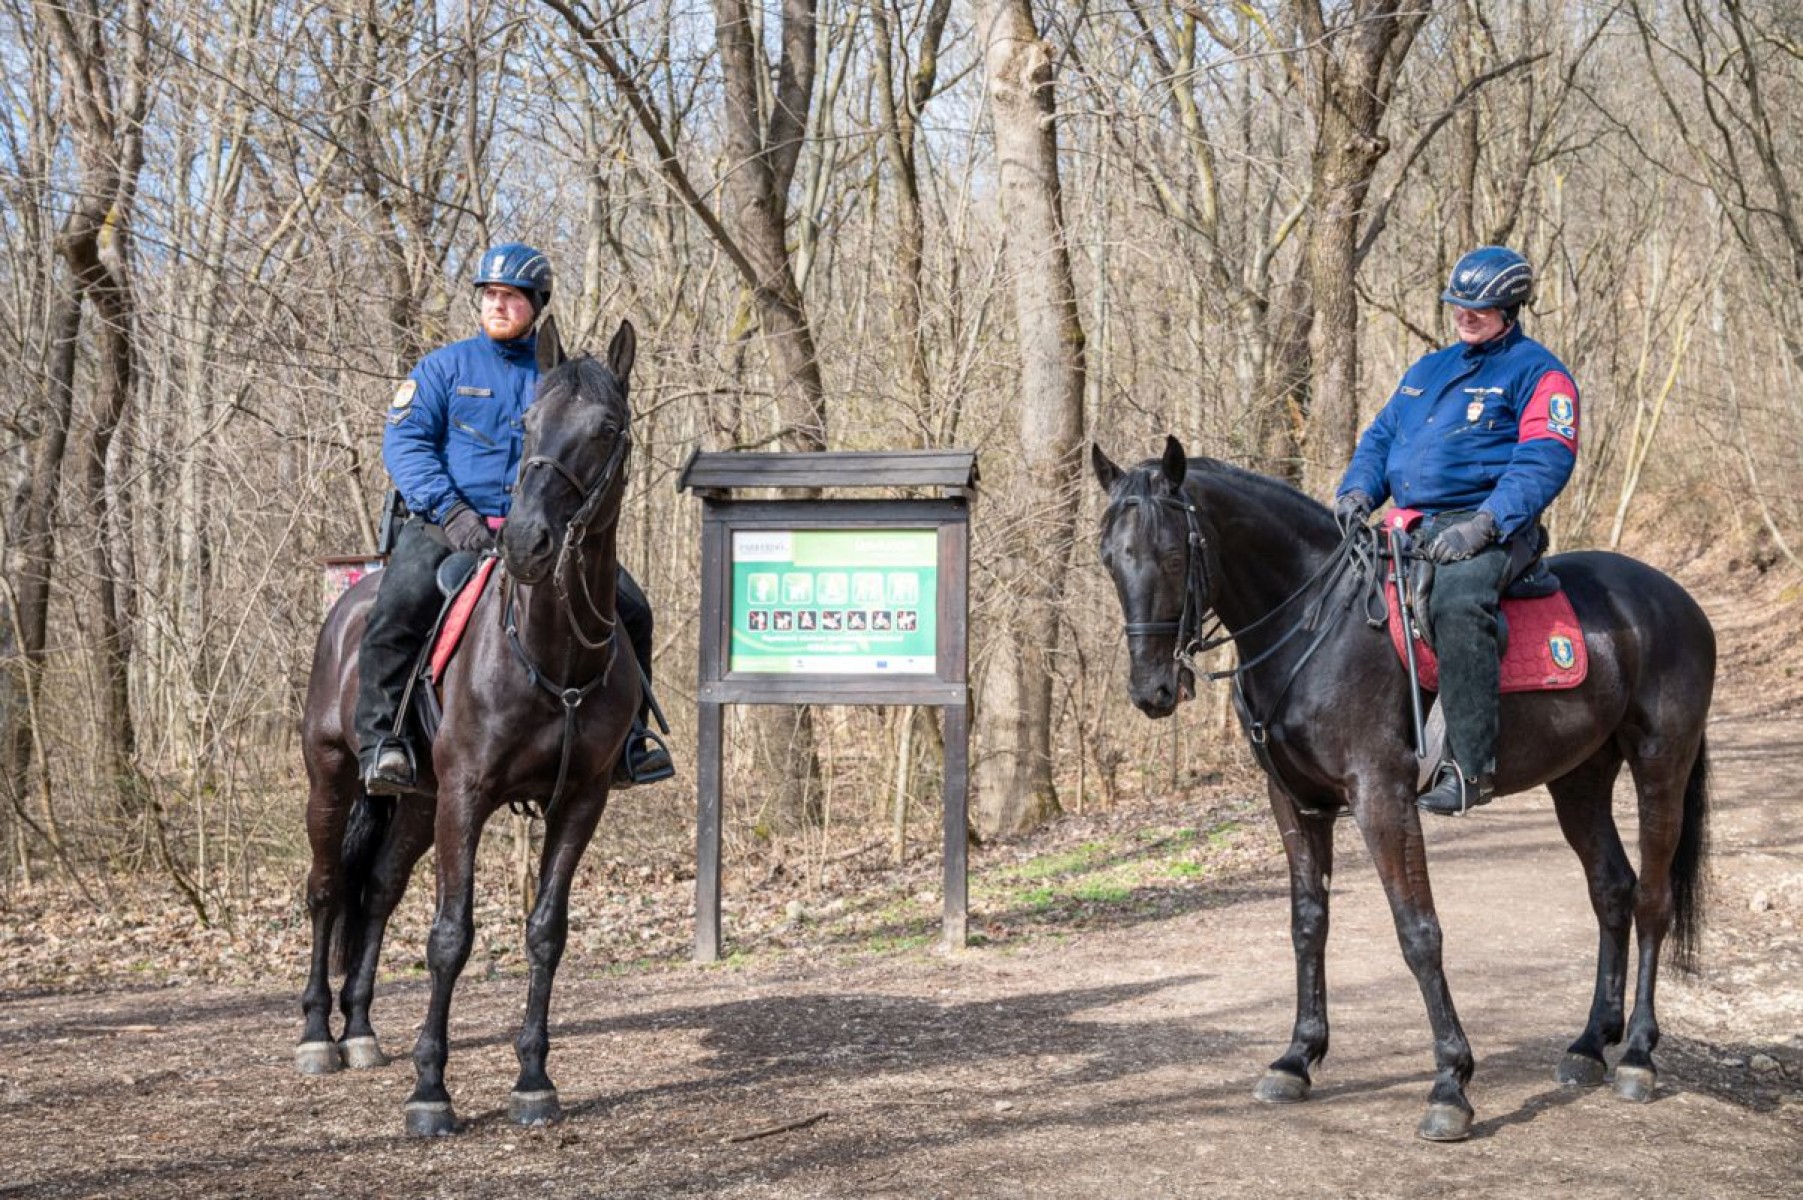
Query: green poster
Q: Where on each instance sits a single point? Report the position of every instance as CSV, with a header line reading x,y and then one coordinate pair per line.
x,y
835,601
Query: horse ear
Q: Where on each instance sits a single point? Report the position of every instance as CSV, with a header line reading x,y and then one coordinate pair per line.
x,y
549,346
1175,462
1106,471
622,350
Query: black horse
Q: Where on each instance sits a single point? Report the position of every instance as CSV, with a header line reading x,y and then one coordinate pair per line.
x,y
536,706
1325,699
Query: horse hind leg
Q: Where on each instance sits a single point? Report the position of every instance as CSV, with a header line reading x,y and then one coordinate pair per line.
x,y
403,837
1583,800
1673,791
327,813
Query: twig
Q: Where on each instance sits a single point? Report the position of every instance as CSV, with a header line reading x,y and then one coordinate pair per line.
x,y
771,1130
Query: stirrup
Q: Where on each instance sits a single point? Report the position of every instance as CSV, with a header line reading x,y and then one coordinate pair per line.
x,y
1453,795
642,763
380,780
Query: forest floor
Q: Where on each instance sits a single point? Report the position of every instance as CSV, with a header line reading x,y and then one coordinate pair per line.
x,y
1130,978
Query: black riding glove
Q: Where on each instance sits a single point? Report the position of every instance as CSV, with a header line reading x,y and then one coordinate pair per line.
x,y
1352,510
467,529
1460,541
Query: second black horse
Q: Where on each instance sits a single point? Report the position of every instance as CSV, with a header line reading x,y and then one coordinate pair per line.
x,y
1326,698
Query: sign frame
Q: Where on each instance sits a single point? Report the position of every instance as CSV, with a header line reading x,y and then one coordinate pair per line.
x,y
712,477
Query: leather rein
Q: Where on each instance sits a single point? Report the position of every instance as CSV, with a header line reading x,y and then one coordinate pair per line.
x,y
571,561
1356,555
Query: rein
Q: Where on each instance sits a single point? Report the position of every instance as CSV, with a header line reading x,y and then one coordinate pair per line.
x,y
570,558
1356,555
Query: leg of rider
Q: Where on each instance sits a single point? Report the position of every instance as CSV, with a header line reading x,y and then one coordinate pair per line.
x,y
643,760
398,621
1463,609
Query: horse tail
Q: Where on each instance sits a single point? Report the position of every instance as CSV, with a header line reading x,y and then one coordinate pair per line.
x,y
1688,865
364,832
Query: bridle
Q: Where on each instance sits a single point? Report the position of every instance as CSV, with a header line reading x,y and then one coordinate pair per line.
x,y
1199,629
571,561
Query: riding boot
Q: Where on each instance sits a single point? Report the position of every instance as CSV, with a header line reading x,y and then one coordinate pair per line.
x,y
1463,608
645,758
1454,793
405,605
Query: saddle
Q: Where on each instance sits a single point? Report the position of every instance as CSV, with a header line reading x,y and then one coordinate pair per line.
x,y
462,578
1542,641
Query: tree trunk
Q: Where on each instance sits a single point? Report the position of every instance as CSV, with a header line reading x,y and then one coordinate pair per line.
x,y
1353,68
1013,776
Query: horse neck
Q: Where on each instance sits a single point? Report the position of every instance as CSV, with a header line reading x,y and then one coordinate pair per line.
x,y
1266,547
591,595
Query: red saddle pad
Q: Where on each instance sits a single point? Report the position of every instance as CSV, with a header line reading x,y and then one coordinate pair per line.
x,y
457,620
1546,645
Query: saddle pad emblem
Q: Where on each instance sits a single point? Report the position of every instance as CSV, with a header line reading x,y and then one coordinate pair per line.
x,y
1564,653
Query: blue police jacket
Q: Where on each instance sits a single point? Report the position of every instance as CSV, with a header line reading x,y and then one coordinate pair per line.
x,y
455,427
1492,427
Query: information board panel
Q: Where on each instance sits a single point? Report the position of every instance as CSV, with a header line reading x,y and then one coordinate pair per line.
x,y
834,601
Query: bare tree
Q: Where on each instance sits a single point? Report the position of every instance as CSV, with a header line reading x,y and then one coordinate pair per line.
x,y
1013,779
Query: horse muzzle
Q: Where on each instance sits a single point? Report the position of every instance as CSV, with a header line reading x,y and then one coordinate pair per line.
x,y
1161,698
528,550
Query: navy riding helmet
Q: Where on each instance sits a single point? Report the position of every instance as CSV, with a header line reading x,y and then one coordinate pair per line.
x,y
517,265
1490,277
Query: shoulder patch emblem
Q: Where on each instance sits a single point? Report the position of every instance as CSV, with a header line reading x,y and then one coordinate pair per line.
x,y
403,395
1561,409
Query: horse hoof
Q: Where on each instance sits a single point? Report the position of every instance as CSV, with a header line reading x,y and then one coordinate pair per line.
x,y
1445,1123
1580,1070
1635,1083
362,1053
534,1108
1281,1087
317,1058
430,1118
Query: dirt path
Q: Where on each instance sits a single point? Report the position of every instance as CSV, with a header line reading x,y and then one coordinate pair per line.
x,y
1117,1061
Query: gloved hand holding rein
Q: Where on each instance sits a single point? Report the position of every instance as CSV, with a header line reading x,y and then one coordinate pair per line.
x,y
1352,510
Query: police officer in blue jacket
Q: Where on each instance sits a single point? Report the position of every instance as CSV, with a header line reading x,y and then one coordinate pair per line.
x,y
1480,437
452,447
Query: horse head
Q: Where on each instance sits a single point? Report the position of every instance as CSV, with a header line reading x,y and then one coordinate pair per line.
x,y
573,464
1154,549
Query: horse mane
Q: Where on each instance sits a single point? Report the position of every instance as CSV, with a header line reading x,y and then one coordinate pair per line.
x,y
1272,493
1146,481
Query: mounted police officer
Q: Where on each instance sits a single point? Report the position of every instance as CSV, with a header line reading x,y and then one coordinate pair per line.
x,y
452,447
1480,437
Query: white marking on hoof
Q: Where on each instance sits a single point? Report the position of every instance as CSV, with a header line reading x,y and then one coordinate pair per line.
x,y
1636,1083
430,1118
317,1058
362,1053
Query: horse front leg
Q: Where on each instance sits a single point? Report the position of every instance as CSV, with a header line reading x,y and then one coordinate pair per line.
x,y
428,1109
1392,828
1582,800
393,867
567,834
1308,846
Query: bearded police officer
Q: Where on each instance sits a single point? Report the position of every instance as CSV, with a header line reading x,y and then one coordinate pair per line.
x,y
452,447
1480,437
